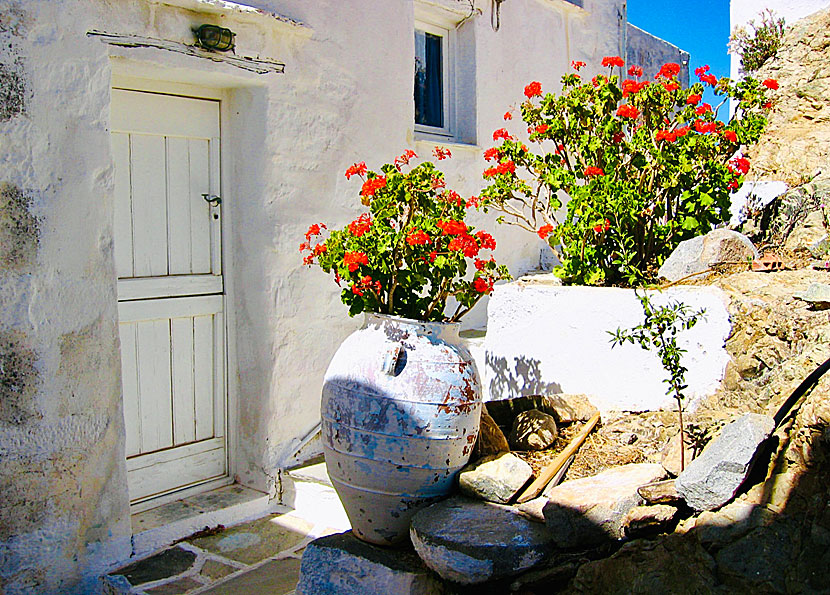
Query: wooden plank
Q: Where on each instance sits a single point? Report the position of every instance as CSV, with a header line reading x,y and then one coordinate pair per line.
x,y
154,385
219,389
123,225
163,115
215,220
547,473
184,421
178,207
177,307
168,286
129,384
149,192
175,468
203,375
199,209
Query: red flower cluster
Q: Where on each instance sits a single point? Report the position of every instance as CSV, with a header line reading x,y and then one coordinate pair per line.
x,y
730,136
418,237
577,64
667,135
668,70
502,133
441,153
702,109
602,226
612,61
473,201
437,182
542,128
508,115
481,264
358,169
770,84
360,225
452,197
704,127
670,86
487,241
464,243
630,86
353,260
628,111
545,230
483,285
404,159
738,165
635,71
371,186
507,167
594,171
693,98
491,153
533,89
366,283
452,228
314,230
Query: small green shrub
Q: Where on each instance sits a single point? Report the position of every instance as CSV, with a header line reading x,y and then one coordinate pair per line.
x,y
760,44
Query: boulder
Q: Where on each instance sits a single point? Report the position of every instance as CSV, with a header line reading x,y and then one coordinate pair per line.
x,y
343,564
533,430
496,478
713,478
470,541
702,252
591,510
641,521
808,233
567,409
491,440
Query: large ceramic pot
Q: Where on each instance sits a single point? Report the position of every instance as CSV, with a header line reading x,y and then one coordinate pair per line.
x,y
401,408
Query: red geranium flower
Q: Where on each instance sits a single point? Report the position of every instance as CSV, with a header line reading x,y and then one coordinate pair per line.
x,y
612,61
491,153
483,285
441,153
693,99
417,237
452,228
770,84
371,186
665,135
701,70
542,128
502,133
739,165
508,115
704,127
594,171
353,260
628,111
506,167
635,71
487,241
357,169
682,131
602,226
404,159
730,136
473,201
464,243
545,230
709,79
668,70
702,109
533,89
671,86
360,225
314,230
577,64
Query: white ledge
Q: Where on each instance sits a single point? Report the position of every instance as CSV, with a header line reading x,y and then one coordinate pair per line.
x,y
226,7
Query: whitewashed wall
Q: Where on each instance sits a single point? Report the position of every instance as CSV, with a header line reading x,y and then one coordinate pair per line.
x,y
346,96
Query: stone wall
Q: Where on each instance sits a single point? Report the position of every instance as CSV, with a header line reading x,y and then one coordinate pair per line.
x,y
651,53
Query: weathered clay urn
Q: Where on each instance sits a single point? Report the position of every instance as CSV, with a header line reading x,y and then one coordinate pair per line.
x,y
401,408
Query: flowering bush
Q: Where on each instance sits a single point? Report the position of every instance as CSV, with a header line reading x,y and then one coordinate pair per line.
x,y
409,253
644,164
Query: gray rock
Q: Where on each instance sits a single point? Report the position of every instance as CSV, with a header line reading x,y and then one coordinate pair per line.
x,y
470,541
713,478
496,478
343,564
700,253
759,561
533,430
567,409
817,294
808,233
591,510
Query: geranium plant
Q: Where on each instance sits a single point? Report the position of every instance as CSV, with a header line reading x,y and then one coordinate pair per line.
x,y
618,173
408,254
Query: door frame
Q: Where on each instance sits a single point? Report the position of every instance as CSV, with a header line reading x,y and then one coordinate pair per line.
x,y
226,225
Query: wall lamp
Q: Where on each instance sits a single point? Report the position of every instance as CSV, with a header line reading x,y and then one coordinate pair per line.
x,y
213,37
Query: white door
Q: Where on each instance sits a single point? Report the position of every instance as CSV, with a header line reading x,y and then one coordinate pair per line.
x,y
170,290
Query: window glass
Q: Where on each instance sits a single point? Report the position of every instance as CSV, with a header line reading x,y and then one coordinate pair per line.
x,y
429,79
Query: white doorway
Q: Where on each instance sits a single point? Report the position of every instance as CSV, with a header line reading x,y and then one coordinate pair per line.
x,y
171,292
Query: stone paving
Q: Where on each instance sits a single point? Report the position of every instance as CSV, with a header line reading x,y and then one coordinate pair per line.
x,y
258,556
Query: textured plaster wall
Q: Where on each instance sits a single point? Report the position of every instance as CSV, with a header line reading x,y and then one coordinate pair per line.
x,y
63,507
547,339
346,96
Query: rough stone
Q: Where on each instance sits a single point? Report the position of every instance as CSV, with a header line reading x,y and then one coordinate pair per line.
x,y
19,228
677,564
496,478
491,440
659,492
591,510
470,542
808,233
648,520
533,430
567,409
702,252
817,294
343,564
713,478
670,458
758,562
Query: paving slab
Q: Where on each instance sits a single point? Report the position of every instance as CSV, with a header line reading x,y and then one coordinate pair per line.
x,y
275,577
166,563
177,587
213,569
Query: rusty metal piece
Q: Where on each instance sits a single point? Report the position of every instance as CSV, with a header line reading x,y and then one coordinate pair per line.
x,y
767,263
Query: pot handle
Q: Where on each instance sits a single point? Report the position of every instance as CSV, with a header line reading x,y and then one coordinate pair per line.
x,y
390,360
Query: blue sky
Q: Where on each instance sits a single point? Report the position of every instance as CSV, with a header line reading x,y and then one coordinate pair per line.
x,y
701,28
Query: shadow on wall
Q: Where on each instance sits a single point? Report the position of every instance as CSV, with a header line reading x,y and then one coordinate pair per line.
x,y
521,377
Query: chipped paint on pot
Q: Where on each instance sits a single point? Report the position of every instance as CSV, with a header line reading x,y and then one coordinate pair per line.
x,y
401,408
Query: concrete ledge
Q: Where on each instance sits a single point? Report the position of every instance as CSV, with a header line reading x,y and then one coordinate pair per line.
x,y
546,339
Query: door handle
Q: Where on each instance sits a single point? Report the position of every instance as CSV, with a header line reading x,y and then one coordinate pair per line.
x,y
212,200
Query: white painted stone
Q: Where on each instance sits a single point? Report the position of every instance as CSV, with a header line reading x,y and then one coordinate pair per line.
x,y
551,339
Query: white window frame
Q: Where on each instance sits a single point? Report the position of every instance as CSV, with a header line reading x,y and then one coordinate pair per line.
x,y
448,74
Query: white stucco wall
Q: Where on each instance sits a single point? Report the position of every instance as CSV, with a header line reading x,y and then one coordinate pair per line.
x,y
743,11
346,96
549,339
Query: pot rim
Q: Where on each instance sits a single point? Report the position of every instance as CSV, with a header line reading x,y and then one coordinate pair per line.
x,y
444,329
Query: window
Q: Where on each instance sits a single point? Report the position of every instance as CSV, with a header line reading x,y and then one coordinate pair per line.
x,y
433,88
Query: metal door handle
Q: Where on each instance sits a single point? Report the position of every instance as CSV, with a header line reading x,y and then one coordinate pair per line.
x,y
212,200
